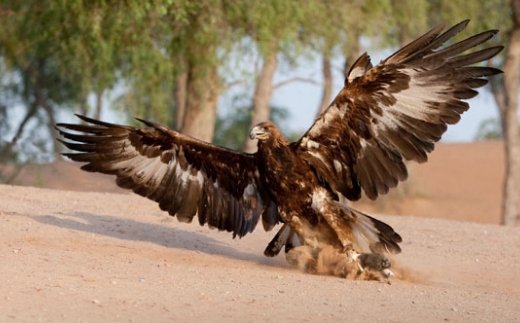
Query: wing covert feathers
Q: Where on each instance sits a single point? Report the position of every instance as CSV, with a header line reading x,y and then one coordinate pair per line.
x,y
395,111
187,177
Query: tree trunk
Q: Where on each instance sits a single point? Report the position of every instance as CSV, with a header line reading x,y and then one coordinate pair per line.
x,y
83,104
263,92
42,101
99,103
56,146
509,119
326,96
6,152
203,90
181,84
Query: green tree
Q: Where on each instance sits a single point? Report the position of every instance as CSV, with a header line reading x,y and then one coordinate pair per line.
x,y
232,129
341,25
489,129
274,27
65,50
505,16
505,91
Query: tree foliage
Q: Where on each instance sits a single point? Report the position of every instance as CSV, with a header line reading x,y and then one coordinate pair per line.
x,y
58,52
170,60
489,129
232,128
80,56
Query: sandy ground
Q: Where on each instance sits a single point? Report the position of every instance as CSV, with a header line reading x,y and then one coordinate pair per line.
x,y
110,257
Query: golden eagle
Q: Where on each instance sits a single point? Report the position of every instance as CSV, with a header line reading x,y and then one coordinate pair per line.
x,y
383,116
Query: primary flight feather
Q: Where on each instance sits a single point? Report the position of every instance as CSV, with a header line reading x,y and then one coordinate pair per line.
x,y
384,115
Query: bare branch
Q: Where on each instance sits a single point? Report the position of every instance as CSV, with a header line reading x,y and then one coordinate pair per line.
x,y
296,79
229,85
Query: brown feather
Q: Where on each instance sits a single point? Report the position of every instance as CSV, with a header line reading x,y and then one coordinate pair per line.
x,y
173,169
400,107
384,115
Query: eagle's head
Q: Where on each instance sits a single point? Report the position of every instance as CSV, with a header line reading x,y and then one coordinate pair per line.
x,y
267,132
262,131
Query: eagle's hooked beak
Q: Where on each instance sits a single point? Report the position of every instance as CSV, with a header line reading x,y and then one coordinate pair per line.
x,y
256,132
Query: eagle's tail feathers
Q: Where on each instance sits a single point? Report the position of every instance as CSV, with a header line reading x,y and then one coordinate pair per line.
x,y
372,235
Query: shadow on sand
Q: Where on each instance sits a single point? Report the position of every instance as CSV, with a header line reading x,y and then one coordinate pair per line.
x,y
129,229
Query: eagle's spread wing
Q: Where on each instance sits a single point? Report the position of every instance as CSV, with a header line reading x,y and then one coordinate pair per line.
x,y
187,177
397,109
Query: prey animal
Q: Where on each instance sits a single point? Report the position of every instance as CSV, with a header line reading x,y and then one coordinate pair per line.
x,y
384,115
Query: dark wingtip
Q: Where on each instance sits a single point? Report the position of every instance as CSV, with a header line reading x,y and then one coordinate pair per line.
x,y
152,124
464,22
83,117
95,121
148,123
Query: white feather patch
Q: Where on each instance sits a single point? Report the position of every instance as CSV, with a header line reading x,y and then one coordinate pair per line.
x,y
317,155
312,144
337,165
319,197
355,73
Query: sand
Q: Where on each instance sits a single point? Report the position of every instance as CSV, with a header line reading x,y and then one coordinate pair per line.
x,y
110,257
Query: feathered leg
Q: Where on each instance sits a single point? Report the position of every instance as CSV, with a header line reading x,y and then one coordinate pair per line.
x,y
363,238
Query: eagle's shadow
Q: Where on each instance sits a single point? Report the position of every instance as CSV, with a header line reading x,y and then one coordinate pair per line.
x,y
167,236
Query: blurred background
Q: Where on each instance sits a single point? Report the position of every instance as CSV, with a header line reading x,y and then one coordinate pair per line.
x,y
213,68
